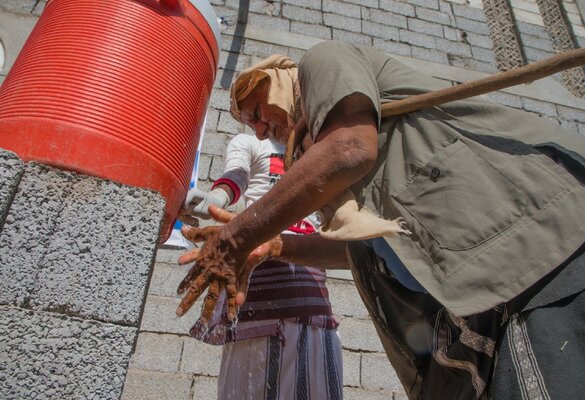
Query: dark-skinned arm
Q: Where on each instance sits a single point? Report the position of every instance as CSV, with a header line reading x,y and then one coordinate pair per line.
x,y
345,151
313,251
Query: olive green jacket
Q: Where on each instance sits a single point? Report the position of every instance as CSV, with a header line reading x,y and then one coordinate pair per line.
x,y
490,213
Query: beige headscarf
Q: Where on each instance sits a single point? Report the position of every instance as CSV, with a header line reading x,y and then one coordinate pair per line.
x,y
282,73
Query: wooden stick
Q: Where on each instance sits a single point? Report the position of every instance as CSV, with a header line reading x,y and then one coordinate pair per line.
x,y
516,76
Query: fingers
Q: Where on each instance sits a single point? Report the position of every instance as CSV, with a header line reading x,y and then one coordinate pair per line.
x,y
195,290
190,277
198,234
188,219
188,257
220,215
210,302
232,308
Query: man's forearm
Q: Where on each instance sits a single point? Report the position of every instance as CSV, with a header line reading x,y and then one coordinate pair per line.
x,y
313,251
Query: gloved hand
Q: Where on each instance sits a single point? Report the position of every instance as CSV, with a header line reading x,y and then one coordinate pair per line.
x,y
197,202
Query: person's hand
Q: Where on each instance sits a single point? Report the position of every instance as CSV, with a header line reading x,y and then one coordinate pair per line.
x,y
197,202
218,265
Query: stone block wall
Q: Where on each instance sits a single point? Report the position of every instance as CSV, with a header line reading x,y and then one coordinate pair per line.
x,y
76,254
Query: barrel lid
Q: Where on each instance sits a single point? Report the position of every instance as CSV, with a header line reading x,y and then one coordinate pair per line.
x,y
205,8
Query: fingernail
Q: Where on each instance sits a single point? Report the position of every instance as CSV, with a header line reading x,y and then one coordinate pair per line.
x,y
180,311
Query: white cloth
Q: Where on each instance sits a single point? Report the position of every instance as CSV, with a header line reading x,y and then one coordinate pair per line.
x,y
303,362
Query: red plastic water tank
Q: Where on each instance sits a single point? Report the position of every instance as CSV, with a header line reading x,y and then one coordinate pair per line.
x,y
116,89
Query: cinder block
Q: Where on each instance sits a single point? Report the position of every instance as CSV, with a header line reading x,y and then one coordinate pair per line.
x,y
159,315
217,168
50,356
536,30
428,28
476,14
269,21
533,55
417,39
100,253
384,18
342,8
470,25
359,334
351,37
351,368
314,30
154,385
365,3
434,4
377,373
314,4
431,55
157,352
204,165
345,299
215,143
204,388
201,358
391,47
220,99
18,6
342,22
166,278
28,229
433,16
506,99
571,114
229,124
478,40
455,48
262,50
11,170
302,14
540,107
350,393
381,31
485,55
39,8
397,7
265,7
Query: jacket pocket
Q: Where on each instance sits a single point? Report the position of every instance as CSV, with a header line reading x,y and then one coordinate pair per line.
x,y
461,199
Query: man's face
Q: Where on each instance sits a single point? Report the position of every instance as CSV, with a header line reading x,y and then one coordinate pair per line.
x,y
268,121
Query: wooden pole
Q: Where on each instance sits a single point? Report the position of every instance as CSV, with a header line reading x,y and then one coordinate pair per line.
x,y
516,76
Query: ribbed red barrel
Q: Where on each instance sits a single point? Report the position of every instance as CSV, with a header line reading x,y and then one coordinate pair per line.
x,y
116,89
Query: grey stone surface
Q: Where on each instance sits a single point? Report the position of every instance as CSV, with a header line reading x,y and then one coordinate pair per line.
x,y
381,31
229,124
28,230
49,356
200,358
314,4
397,7
345,299
204,164
342,8
351,368
11,170
18,6
351,37
428,28
429,54
101,251
359,334
377,373
157,352
342,22
316,30
217,168
393,48
384,18
302,14
350,393
540,107
159,315
417,39
204,388
166,278
433,16
154,385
